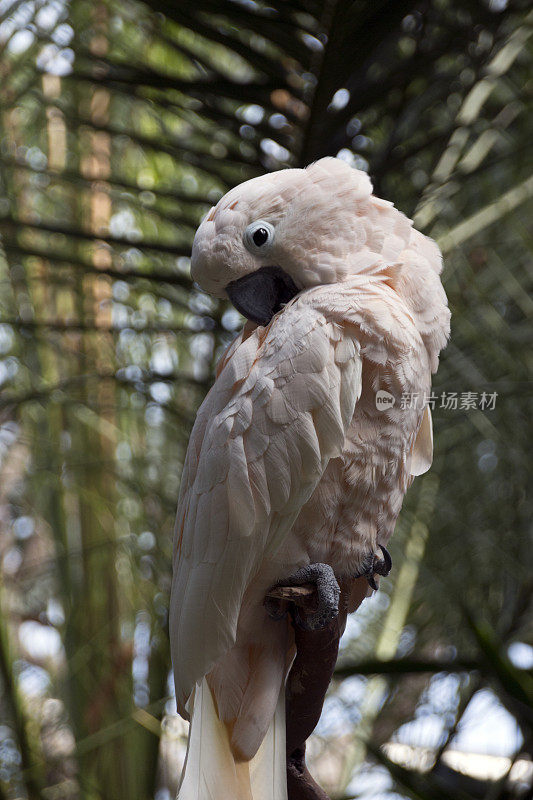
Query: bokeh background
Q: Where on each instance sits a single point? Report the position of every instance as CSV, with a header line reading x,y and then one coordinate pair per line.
x,y
121,123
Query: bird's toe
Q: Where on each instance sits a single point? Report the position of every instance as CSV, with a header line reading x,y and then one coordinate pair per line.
x,y
316,608
376,564
382,563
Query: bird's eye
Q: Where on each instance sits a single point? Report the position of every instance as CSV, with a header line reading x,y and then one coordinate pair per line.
x,y
258,236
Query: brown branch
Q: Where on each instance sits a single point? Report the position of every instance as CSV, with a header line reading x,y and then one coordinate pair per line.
x,y
310,676
299,595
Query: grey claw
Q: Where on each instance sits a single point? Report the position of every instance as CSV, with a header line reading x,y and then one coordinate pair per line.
x,y
326,599
372,582
376,565
383,567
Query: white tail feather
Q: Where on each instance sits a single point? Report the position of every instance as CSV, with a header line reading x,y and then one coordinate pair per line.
x,y
210,771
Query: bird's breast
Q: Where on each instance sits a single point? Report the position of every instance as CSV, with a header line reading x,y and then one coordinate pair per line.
x,y
357,502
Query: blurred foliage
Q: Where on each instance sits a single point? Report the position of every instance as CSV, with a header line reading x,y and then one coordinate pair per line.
x,y
121,123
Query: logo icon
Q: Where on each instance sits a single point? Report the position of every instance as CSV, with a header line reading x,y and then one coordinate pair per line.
x,y
384,400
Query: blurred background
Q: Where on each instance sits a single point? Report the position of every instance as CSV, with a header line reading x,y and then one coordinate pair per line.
x,y
121,123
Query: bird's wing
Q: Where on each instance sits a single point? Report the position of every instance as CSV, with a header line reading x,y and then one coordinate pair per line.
x,y
422,452
276,414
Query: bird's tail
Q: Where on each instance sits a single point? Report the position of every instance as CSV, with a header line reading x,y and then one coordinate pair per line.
x,y
211,772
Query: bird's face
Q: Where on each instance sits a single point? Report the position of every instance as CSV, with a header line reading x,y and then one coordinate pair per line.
x,y
273,236
238,252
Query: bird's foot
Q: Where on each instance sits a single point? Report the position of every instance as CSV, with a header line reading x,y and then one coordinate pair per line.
x,y
375,563
319,606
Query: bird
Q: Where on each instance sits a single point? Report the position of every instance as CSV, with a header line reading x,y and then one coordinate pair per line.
x,y
302,451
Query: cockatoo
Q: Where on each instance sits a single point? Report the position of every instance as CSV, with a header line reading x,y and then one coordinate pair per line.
x,y
301,452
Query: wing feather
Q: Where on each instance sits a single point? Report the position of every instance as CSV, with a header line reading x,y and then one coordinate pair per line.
x,y
276,414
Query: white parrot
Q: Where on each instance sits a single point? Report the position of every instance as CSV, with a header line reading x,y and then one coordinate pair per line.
x,y
294,472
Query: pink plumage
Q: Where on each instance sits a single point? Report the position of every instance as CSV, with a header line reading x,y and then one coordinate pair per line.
x,y
291,461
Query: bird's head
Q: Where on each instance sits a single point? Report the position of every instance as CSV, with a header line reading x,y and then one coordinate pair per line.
x,y
277,235
273,236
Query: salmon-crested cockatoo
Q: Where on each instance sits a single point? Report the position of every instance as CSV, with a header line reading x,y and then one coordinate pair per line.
x,y
296,468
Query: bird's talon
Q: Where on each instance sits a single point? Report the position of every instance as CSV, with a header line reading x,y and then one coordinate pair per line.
x,y
376,565
382,565
372,582
323,605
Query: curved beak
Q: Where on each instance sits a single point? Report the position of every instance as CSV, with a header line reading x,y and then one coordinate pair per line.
x,y
261,294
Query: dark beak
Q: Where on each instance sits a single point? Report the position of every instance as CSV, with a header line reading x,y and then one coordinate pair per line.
x,y
261,294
